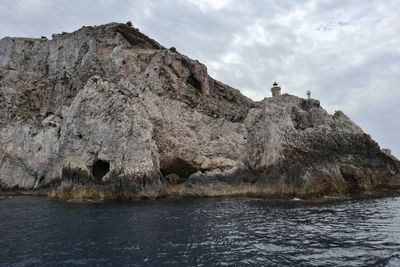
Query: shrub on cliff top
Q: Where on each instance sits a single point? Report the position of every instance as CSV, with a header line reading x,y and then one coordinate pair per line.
x,y
65,79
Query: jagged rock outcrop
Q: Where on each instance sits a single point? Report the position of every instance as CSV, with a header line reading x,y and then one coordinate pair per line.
x,y
297,146
107,112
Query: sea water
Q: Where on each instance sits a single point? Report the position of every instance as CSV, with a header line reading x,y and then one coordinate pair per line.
x,y
36,231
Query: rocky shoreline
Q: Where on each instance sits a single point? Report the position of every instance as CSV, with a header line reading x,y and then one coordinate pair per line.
x,y
108,113
178,192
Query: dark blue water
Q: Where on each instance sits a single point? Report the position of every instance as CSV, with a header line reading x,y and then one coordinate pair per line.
x,y
199,232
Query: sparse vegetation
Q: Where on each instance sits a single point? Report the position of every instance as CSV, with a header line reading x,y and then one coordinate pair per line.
x,y
173,49
95,80
65,79
129,24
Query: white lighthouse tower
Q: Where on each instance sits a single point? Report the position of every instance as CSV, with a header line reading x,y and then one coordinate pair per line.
x,y
276,90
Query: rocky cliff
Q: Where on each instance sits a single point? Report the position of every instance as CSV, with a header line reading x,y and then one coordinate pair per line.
x,y
107,112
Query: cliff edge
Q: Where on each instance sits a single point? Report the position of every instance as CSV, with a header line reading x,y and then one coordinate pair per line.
x,y
106,112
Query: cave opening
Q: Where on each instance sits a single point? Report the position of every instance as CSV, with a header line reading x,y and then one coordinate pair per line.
x,y
179,167
194,82
100,169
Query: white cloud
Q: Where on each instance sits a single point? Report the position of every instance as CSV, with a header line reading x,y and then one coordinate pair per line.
x,y
206,5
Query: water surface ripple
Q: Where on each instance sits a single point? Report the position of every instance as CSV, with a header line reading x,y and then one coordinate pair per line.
x,y
36,231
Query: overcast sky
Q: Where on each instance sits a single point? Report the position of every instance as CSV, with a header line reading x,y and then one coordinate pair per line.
x,y
347,52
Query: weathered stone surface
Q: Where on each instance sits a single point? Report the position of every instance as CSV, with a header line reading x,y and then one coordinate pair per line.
x,y
107,112
296,146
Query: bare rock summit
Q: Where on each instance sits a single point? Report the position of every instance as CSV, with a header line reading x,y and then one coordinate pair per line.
x,y
107,112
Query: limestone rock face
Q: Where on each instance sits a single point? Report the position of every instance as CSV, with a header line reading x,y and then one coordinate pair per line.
x,y
107,112
105,141
296,146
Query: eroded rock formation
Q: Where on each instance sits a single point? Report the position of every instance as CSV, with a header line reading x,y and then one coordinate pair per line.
x,y
107,112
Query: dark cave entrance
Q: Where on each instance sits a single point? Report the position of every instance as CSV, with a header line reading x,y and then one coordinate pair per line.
x,y
179,167
100,168
194,82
